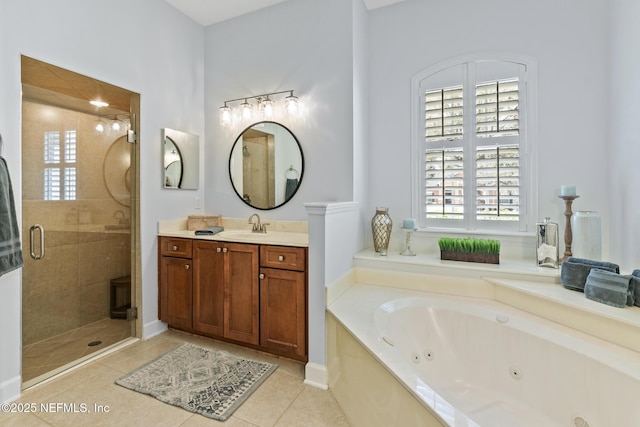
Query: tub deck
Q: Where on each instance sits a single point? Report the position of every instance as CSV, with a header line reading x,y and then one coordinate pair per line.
x,y
353,301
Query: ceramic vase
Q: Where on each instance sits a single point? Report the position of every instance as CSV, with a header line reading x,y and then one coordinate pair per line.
x,y
587,240
381,225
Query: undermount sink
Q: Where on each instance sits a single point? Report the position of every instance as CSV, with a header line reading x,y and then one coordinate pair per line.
x,y
243,234
270,237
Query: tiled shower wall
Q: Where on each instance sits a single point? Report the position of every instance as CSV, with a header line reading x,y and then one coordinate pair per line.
x,y
69,287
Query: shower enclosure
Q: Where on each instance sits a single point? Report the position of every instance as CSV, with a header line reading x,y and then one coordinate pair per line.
x,y
77,222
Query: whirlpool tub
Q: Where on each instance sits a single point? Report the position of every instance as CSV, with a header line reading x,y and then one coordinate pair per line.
x,y
473,362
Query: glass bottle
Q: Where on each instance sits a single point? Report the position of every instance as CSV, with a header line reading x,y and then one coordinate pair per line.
x,y
547,250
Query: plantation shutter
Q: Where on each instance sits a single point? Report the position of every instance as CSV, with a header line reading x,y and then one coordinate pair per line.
x,y
498,183
444,183
473,154
60,182
497,108
443,113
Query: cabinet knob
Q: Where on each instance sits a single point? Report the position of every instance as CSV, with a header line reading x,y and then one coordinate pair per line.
x,y
224,250
187,266
261,276
174,247
280,258
218,250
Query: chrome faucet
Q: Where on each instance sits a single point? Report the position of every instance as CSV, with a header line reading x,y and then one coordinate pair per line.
x,y
258,227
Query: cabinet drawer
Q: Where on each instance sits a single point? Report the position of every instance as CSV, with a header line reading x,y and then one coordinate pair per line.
x,y
175,247
283,257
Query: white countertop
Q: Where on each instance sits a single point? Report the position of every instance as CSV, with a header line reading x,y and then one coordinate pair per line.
x,y
246,236
239,235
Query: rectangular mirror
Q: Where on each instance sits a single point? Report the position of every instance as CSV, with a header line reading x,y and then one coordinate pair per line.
x,y
180,160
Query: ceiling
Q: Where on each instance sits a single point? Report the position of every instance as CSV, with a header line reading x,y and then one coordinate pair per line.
x,y
48,84
207,12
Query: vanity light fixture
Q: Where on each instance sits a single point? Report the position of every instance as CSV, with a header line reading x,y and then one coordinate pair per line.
x,y
264,106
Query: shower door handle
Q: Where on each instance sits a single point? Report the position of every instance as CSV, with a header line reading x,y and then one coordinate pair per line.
x,y
32,233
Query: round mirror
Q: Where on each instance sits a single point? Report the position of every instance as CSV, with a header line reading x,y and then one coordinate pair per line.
x,y
266,165
116,171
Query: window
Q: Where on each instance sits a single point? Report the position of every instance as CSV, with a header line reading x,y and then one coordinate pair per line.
x,y
60,172
471,146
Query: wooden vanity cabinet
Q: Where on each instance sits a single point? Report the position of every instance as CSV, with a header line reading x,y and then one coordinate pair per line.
x,y
247,293
283,300
175,300
225,290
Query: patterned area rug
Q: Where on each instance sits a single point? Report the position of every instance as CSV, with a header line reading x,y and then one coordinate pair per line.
x,y
208,382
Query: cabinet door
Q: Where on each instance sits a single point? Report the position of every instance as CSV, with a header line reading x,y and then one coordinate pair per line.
x,y
283,314
241,307
208,287
176,296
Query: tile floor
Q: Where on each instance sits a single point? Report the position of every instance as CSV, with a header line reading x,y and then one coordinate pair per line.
x,y
50,354
282,400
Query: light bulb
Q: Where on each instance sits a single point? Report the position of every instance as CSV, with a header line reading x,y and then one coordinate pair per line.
x,y
267,107
99,127
225,115
246,110
291,104
115,126
98,103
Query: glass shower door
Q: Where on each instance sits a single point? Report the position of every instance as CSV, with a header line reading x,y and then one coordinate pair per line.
x,y
77,238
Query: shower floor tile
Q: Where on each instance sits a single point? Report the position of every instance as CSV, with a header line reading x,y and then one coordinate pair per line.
x,y
55,352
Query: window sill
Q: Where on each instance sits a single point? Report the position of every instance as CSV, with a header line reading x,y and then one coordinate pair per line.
x,y
484,233
431,263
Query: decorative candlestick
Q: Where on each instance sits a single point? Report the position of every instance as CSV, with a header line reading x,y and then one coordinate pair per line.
x,y
407,243
408,225
568,233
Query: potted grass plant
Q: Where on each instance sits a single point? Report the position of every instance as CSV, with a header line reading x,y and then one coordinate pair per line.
x,y
469,249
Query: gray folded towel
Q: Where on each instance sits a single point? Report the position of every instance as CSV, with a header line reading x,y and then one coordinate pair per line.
x,y
634,286
608,288
10,251
214,229
575,271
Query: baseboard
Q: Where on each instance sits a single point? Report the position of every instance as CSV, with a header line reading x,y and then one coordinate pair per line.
x,y
10,389
154,328
316,375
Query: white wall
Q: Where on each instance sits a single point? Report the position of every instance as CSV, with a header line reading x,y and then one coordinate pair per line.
x,y
569,39
625,129
145,46
304,45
